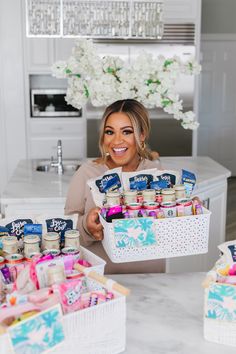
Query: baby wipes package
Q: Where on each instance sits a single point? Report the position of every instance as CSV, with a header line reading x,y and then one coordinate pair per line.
x,y
138,180
229,251
109,182
57,223
150,179
165,179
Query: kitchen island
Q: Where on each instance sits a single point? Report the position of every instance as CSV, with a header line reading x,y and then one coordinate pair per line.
x,y
30,192
165,315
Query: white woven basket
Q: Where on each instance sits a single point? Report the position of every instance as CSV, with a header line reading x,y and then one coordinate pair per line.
x,y
222,332
98,264
218,330
180,236
99,329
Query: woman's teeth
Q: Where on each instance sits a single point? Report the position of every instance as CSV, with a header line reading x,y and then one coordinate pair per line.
x,y
119,151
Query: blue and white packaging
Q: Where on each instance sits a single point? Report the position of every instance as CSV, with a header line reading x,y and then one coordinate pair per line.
x,y
109,182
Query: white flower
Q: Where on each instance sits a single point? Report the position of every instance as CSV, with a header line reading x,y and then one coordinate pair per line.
x,y
59,69
151,80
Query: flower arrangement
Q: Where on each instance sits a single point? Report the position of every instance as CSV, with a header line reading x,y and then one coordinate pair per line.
x,y
148,79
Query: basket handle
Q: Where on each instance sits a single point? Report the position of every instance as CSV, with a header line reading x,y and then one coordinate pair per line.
x,y
101,279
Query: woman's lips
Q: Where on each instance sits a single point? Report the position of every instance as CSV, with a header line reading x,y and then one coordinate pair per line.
x,y
119,151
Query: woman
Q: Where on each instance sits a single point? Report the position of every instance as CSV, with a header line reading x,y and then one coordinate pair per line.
x,y
125,127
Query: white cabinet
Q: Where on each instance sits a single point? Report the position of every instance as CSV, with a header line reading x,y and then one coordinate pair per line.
x,y
39,54
44,133
215,196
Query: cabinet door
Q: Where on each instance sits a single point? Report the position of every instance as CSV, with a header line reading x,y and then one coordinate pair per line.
x,y
217,205
45,127
40,54
63,48
45,147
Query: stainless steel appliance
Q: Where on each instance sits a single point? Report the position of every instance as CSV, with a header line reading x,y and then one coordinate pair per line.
x,y
51,103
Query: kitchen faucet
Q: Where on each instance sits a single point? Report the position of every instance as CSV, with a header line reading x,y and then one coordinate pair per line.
x,y
58,163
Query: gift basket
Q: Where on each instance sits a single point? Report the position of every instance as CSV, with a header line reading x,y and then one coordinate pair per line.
x,y
98,328
220,298
53,295
150,214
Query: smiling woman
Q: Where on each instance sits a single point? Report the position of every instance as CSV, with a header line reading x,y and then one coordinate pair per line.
x,y
125,127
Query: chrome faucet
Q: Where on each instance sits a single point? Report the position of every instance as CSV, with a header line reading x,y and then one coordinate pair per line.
x,y
58,163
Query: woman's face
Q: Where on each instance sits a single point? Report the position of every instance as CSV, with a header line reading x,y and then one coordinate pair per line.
x,y
119,141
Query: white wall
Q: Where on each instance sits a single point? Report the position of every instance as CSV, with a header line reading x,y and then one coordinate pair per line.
x,y
218,16
12,111
217,109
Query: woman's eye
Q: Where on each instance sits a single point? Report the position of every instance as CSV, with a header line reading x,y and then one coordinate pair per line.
x,y
108,132
127,132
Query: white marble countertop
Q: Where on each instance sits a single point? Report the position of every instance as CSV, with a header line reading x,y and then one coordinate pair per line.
x,y
165,315
27,184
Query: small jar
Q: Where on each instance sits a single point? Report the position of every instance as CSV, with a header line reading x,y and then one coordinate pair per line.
x,y
168,195
29,257
69,251
133,209
151,206
56,274
72,238
130,196
149,195
31,245
51,241
10,244
169,209
53,252
179,191
187,204
112,198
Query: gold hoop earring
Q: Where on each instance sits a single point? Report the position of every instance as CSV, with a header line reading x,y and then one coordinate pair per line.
x,y
143,145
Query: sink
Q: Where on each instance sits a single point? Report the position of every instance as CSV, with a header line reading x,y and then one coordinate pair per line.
x,y
70,166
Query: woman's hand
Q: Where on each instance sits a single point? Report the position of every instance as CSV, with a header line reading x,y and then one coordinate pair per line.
x,y
93,225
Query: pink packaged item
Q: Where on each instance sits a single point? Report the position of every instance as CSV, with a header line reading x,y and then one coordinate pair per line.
x,y
69,293
84,263
95,298
69,261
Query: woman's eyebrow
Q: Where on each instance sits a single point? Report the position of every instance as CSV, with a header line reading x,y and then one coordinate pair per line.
x,y
128,126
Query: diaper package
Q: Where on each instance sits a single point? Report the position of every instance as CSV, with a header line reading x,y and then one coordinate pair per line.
x,y
109,182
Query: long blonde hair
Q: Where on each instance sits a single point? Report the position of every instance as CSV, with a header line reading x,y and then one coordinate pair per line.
x,y
140,121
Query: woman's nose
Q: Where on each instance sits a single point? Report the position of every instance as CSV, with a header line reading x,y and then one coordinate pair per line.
x,y
118,138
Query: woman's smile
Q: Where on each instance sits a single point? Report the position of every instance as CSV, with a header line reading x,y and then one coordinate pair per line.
x,y
120,151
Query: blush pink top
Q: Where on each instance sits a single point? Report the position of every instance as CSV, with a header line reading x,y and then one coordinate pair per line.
x,y
79,200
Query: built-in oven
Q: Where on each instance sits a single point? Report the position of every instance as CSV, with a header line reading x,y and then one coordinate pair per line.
x,y
51,103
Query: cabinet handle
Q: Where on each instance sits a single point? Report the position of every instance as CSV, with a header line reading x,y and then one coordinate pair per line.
x,y
206,203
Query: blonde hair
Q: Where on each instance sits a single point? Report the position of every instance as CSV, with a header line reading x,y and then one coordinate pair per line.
x,y
140,121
